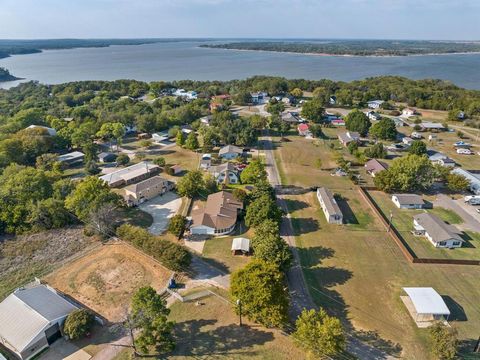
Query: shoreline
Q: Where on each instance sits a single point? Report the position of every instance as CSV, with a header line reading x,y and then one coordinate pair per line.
x,y
342,55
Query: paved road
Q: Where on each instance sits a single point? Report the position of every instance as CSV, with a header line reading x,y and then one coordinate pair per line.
x,y
471,219
297,287
204,272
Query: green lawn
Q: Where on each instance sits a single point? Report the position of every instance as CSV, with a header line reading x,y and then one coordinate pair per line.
x,y
403,222
137,217
357,272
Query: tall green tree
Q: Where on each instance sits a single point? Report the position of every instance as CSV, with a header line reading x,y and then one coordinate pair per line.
x,y
418,147
180,138
192,142
318,334
260,288
357,121
313,110
261,209
254,172
148,323
384,129
191,184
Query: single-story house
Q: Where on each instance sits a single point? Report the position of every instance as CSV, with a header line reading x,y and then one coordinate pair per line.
x,y
372,115
329,205
408,201
348,137
219,215
240,246
332,100
225,171
398,122
160,137
48,130
290,117
338,122
230,152
31,319
473,178
107,157
131,174
75,157
431,126
138,193
437,231
407,140
440,159
375,104
206,161
303,129
176,169
425,305
407,112
374,166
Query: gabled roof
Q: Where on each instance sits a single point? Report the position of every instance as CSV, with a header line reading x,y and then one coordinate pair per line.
x,y
25,313
375,166
146,184
409,199
219,169
230,149
129,172
75,155
220,211
302,127
242,244
427,301
436,228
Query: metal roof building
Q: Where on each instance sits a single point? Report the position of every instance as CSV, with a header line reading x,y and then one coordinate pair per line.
x,y
428,305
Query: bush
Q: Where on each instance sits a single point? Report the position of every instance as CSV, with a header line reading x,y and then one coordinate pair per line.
x,y
174,256
123,159
176,226
160,161
78,323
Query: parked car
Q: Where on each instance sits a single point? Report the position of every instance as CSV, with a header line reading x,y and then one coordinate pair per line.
x,y
472,199
464,151
461,144
416,135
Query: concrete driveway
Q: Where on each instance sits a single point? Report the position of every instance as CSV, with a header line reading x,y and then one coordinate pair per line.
x,y
471,219
162,208
63,349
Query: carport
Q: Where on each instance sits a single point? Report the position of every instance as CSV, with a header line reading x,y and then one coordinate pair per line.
x,y
425,305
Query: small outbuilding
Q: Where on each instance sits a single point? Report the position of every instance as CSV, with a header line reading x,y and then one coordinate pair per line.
x,y
107,157
425,305
408,201
240,246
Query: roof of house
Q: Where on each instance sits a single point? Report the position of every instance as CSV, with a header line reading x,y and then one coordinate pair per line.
x,y
375,166
329,200
129,172
27,312
431,125
106,155
302,127
242,244
348,136
220,211
146,184
427,301
218,169
409,199
230,149
473,178
379,102
289,117
75,155
436,228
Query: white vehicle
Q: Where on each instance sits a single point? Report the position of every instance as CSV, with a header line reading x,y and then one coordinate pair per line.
x,y
464,151
416,135
472,199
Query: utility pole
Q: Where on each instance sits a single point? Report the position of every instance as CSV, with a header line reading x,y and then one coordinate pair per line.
x,y
239,304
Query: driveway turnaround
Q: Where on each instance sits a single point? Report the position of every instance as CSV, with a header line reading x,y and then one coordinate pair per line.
x,y
162,208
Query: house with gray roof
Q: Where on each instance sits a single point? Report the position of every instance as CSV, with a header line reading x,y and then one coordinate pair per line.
x,y
329,205
473,179
439,233
31,319
230,152
223,172
438,158
348,137
374,166
408,201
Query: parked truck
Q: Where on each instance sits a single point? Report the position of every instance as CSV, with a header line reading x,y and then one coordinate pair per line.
x,y
472,199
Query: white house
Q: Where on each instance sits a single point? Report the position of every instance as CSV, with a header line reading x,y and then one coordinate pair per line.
x,y
440,234
375,104
260,97
474,179
206,161
50,131
407,112
31,319
408,201
438,158
372,115
230,152
189,95
160,137
329,205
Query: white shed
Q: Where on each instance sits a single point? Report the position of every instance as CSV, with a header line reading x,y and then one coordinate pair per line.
x,y
425,305
240,246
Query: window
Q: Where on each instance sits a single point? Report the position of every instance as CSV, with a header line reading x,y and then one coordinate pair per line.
x,y
456,243
442,243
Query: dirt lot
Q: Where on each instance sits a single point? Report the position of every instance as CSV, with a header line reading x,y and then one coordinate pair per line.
x,y
106,278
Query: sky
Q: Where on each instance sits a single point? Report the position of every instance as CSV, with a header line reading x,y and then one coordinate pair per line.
x,y
367,19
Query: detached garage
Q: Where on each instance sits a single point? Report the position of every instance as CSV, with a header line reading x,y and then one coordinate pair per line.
x,y
31,319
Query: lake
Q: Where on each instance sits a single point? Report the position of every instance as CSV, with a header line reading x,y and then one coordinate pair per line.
x,y
185,60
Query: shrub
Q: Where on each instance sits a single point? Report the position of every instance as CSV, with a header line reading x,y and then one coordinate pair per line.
x,y
78,323
176,226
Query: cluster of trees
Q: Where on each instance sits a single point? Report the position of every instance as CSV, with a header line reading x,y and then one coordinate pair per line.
x,y
171,255
357,121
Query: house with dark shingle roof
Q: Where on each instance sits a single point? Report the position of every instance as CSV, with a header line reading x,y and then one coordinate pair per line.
x,y
437,231
374,166
31,319
348,137
219,215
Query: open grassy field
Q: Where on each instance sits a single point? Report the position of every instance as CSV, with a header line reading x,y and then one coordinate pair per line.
x,y
357,272
403,222
105,279
211,330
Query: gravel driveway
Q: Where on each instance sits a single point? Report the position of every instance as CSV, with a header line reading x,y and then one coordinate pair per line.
x,y
162,208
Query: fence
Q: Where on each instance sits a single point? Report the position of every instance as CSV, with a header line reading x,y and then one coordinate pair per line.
x,y
401,243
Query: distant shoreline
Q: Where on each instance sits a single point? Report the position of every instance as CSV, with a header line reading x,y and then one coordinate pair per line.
x,y
340,55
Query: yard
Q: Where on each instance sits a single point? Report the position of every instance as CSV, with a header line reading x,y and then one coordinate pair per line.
x,y
403,221
106,278
211,330
356,271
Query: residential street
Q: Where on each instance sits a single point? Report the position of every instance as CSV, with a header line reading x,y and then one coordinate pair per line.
x,y
297,286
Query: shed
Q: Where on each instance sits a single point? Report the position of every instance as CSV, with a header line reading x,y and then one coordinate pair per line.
x,y
240,246
426,304
106,157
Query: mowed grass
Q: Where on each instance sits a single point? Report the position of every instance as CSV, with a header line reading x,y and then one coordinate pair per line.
x,y
357,272
403,221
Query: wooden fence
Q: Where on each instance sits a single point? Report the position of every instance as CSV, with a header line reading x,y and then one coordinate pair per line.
x,y
406,250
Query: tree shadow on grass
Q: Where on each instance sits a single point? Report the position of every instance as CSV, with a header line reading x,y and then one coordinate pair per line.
x,y
373,339
466,349
348,214
294,205
229,339
303,226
